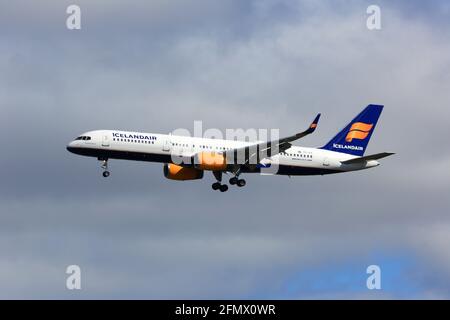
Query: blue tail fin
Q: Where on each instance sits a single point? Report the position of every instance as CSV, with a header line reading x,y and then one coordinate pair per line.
x,y
353,139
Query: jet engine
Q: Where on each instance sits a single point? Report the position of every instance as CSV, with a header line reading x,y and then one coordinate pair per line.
x,y
176,172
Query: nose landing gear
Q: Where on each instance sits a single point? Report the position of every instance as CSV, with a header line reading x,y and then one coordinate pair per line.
x,y
104,166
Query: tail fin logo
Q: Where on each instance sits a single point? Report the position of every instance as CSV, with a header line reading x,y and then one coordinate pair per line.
x,y
358,130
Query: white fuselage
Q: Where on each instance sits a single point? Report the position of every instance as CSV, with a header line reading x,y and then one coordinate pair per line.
x,y
115,144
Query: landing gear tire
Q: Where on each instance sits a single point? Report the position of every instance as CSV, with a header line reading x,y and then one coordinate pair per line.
x,y
241,183
106,174
233,180
215,185
223,188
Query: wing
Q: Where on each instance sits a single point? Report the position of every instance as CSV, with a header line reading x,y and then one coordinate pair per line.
x,y
253,154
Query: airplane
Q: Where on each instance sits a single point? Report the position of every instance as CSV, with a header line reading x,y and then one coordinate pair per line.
x,y
187,158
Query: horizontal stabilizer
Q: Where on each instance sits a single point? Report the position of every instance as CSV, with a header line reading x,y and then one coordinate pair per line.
x,y
375,156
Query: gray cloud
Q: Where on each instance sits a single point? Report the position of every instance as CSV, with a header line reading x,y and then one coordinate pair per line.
x,y
159,66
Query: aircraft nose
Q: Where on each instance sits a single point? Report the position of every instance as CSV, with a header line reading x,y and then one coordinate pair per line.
x,y
71,146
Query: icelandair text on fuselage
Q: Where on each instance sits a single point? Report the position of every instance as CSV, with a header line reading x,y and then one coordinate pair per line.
x,y
227,309
133,136
340,146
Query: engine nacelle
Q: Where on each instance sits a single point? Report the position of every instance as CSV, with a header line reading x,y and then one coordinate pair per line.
x,y
175,172
210,161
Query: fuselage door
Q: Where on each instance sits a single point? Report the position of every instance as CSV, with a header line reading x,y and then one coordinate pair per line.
x,y
326,162
166,145
105,140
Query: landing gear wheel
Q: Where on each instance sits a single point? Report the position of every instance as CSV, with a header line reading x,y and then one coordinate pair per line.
x,y
241,183
215,185
233,180
106,174
223,188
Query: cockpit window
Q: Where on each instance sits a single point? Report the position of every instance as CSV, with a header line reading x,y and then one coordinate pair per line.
x,y
83,138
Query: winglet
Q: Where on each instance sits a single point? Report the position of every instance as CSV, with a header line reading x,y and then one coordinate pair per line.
x,y
313,125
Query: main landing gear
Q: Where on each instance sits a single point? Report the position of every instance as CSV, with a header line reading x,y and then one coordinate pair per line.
x,y
223,187
104,166
218,185
237,181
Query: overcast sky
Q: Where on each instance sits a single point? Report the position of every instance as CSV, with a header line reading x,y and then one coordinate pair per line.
x,y
158,65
